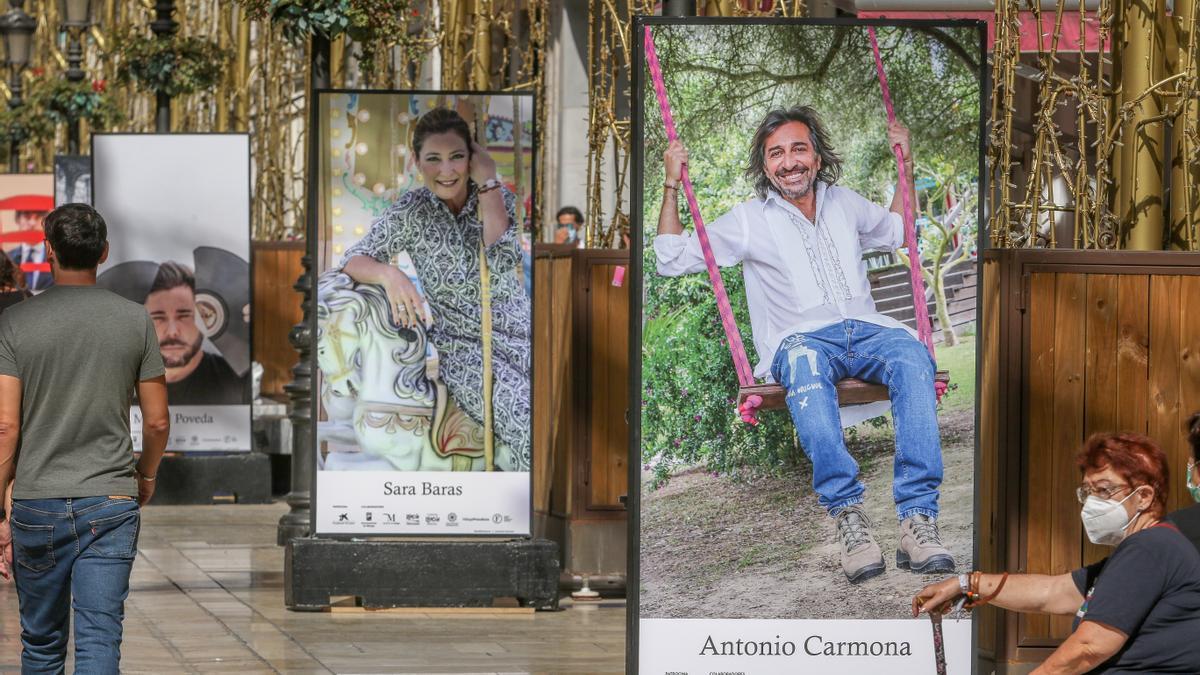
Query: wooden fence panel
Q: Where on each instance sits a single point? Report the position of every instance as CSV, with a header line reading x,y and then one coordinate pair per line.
x,y
1189,381
1100,386
987,527
1163,403
1133,352
1090,341
1036,628
275,309
1069,353
601,378
551,358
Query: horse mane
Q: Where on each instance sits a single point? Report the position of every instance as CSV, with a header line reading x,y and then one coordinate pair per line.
x,y
368,309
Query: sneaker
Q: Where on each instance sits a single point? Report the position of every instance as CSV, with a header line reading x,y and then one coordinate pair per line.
x,y
861,557
921,549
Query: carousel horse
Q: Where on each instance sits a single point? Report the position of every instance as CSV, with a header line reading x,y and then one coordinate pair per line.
x,y
380,390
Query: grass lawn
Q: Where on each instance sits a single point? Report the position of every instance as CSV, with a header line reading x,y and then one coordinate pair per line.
x,y
960,361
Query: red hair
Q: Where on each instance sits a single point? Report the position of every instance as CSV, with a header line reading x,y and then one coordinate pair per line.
x,y
1134,457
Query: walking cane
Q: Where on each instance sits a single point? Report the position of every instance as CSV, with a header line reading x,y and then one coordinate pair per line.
x,y
939,647
939,644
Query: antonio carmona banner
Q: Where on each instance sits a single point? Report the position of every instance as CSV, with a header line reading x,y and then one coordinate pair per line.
x,y
802,470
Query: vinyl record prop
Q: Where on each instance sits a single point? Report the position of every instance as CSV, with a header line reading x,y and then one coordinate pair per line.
x,y
223,304
130,280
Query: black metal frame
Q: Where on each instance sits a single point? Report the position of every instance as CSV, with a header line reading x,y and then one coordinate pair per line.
x,y
249,252
313,184
637,217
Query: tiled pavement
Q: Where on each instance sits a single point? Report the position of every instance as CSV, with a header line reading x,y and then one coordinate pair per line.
x,y
207,597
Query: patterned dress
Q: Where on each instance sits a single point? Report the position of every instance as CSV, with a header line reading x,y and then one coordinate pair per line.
x,y
445,250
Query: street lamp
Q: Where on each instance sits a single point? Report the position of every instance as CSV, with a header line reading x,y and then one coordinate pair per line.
x,y
16,28
76,17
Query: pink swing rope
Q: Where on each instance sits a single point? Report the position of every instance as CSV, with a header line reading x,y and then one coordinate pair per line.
x,y
736,348
920,308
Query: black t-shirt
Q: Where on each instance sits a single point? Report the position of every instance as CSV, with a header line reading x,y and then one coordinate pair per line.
x,y
1149,589
213,382
1188,522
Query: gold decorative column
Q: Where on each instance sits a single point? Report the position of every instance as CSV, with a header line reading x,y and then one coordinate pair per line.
x,y
1185,150
1140,60
481,62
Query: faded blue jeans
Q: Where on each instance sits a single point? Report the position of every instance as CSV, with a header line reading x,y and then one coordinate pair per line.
x,y
809,366
73,552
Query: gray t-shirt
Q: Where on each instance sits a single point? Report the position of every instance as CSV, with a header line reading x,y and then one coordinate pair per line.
x,y
78,351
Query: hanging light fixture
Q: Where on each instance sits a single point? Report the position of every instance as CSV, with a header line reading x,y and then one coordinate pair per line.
x,y
16,28
75,14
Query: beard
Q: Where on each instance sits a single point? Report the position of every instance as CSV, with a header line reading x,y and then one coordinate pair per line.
x,y
180,361
796,191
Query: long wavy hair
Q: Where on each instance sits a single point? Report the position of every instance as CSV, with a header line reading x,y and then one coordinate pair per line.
x,y
756,169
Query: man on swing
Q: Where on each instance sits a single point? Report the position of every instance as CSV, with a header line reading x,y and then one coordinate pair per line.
x,y
814,323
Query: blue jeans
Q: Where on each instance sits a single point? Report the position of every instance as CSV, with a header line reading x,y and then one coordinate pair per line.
x,y
73,552
809,366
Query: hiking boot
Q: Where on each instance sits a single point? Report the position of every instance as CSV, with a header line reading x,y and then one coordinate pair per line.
x,y
861,556
921,549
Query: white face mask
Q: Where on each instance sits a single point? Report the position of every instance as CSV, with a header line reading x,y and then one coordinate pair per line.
x,y
1104,520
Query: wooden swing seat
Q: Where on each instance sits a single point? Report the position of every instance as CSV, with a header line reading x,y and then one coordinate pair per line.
x,y
851,391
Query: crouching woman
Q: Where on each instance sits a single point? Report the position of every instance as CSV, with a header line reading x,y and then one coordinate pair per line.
x,y
1136,611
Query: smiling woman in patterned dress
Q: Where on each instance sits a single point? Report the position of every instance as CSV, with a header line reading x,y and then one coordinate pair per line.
x,y
441,226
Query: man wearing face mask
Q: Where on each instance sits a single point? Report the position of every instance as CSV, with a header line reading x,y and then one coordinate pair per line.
x,y
1136,611
1188,519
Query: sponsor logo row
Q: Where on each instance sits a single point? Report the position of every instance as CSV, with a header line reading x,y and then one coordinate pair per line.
x,y
451,519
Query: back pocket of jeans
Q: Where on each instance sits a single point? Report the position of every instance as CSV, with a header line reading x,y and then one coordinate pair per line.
x,y
33,546
116,536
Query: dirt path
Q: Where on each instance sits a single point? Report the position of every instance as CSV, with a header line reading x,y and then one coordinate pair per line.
x,y
763,548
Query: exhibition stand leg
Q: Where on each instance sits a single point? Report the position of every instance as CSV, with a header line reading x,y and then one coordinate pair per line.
x,y
206,478
420,573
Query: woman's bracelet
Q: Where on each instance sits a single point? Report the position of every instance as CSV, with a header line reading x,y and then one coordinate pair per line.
x,y
974,597
148,479
490,185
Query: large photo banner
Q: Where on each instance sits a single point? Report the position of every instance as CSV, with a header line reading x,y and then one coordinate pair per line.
x,y
178,208
806,444
423,314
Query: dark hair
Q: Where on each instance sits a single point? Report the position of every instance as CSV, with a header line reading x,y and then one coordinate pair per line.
x,y
1194,435
10,274
440,121
173,275
78,234
1135,457
570,211
831,163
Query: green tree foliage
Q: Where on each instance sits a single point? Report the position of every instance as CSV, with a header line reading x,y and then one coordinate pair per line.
x,y
722,80
173,65
376,25
65,101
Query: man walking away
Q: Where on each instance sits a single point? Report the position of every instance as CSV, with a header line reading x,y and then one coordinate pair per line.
x,y
69,361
